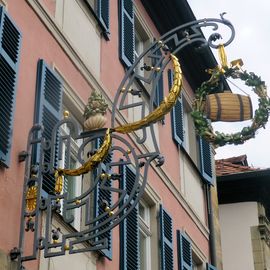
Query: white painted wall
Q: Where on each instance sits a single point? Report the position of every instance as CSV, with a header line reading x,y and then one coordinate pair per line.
x,y
78,261
81,29
192,188
235,222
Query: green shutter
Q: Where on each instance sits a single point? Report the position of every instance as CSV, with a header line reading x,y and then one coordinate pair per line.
x,y
184,251
206,161
102,193
48,111
103,10
166,239
129,228
210,267
10,44
127,32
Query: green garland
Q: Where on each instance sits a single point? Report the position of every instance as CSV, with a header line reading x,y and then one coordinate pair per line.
x,y
203,125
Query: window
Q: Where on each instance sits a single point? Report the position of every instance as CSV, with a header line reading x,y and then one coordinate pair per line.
x,y
101,10
127,32
188,258
72,184
184,251
166,239
10,37
129,228
184,135
145,236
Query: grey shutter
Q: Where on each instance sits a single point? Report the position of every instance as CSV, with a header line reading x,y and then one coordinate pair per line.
x,y
100,195
10,44
210,267
159,91
129,228
177,116
127,32
103,10
206,161
48,111
184,251
166,239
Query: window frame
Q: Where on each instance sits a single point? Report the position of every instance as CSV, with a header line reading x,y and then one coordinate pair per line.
x,y
95,11
145,230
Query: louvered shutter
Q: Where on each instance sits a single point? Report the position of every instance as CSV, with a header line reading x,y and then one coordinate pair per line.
x,y
100,195
159,91
127,32
48,110
166,239
103,10
177,116
210,267
206,161
184,251
10,43
129,228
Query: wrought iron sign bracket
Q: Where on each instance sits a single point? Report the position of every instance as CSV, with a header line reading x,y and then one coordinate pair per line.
x,y
103,184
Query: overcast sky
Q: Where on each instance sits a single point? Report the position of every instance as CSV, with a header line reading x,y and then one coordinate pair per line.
x,y
252,44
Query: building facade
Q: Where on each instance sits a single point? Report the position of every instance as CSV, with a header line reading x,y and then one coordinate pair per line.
x,y
243,194
53,54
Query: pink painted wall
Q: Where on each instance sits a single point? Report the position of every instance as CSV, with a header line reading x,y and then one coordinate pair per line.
x,y
38,43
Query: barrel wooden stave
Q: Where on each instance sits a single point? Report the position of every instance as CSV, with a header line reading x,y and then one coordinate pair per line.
x,y
228,107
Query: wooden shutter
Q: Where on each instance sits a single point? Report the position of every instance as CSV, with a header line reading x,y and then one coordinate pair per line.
x,y
127,32
210,267
166,239
184,251
129,228
10,44
48,111
177,116
206,161
103,10
159,91
100,195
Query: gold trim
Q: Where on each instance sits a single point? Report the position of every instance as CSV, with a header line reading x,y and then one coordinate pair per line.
x,y
89,165
31,199
165,106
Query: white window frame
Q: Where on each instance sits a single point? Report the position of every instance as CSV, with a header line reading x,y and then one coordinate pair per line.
x,y
144,229
78,180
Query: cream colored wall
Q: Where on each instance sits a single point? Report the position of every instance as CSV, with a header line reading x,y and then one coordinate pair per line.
x,y
192,188
69,261
82,31
236,221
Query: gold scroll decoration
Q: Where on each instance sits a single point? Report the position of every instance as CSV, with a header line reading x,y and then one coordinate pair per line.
x,y
165,106
31,199
93,161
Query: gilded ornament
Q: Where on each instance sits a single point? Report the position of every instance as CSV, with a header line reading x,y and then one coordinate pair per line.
x,y
31,199
165,106
203,125
93,161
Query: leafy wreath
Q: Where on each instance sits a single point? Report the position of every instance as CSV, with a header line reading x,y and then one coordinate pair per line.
x,y
203,125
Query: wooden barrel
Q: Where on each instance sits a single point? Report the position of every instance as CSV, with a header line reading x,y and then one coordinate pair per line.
x,y
228,107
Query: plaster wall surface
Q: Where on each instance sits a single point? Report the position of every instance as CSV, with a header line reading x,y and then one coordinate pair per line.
x,y
82,32
101,57
236,221
191,187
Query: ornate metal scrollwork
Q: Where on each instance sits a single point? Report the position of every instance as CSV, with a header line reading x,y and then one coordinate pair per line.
x,y
38,209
